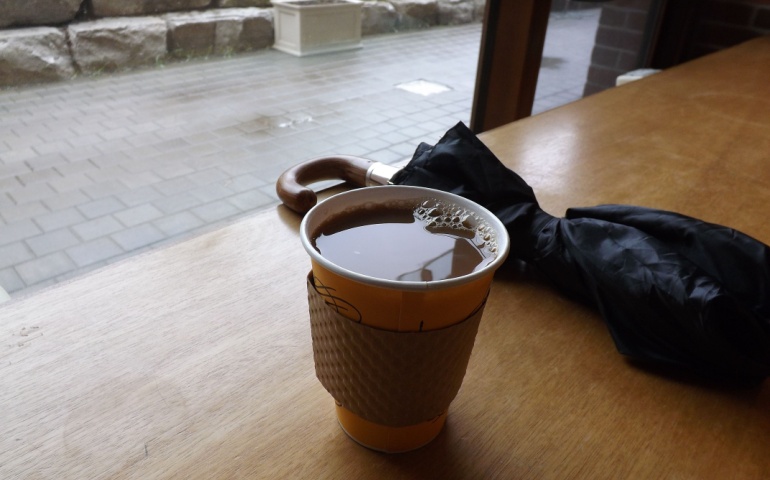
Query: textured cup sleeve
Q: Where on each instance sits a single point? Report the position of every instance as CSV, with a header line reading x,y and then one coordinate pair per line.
x,y
388,377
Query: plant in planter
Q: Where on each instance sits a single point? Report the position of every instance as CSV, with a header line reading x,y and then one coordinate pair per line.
x,y
307,27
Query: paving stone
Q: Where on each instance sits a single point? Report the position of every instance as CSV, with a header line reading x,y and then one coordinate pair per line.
x,y
405,149
44,268
385,156
83,139
55,141
356,149
35,176
13,254
200,138
50,242
139,164
66,200
401,122
251,200
138,237
147,127
138,214
10,170
177,203
104,189
97,227
13,232
119,132
14,213
106,174
59,219
394,137
101,207
382,128
270,192
174,171
144,138
80,153
208,176
242,183
139,180
211,193
94,251
32,193
238,167
103,160
18,155
89,128
215,211
174,186
178,223
374,144
10,280
139,195
70,182
172,145
5,202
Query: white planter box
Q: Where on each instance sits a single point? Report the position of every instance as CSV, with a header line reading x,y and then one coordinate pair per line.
x,y
307,27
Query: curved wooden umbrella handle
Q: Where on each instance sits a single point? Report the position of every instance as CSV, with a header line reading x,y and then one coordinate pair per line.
x,y
291,187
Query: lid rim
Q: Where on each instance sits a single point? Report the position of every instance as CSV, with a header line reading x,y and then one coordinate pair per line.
x,y
404,192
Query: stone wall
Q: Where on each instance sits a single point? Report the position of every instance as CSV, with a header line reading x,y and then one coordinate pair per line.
x,y
54,40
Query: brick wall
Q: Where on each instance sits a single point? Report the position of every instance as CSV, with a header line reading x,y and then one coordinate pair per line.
x,y
705,27
619,41
719,24
570,5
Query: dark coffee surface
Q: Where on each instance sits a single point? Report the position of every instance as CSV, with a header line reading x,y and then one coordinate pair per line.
x,y
394,244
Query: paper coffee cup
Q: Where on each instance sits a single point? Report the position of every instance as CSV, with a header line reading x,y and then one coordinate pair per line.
x,y
402,306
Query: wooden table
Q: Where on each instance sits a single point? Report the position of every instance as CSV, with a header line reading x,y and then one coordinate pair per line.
x,y
194,361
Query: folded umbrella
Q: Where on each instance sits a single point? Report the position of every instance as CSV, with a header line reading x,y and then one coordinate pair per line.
x,y
672,290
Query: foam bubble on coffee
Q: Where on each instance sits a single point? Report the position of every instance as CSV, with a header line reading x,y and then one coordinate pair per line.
x,y
439,214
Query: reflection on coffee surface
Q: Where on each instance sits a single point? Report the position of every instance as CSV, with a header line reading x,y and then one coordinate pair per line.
x,y
398,241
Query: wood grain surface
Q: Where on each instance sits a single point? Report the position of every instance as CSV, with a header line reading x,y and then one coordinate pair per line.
x,y
194,361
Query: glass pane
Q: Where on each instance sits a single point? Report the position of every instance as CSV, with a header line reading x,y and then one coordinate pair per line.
x,y
567,52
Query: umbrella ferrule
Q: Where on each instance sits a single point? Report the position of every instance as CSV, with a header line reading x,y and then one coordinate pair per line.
x,y
379,174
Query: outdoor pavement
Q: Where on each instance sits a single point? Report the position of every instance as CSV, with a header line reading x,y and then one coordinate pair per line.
x,y
97,169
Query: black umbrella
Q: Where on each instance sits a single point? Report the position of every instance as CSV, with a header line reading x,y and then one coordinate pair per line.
x,y
672,290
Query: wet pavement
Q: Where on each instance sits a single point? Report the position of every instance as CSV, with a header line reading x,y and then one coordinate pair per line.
x,y
98,169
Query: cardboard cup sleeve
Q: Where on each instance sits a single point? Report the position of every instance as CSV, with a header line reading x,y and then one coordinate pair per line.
x,y
388,377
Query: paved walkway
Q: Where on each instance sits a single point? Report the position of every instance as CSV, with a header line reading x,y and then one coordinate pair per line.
x,y
97,169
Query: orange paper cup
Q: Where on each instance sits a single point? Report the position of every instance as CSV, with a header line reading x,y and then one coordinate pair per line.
x,y
406,306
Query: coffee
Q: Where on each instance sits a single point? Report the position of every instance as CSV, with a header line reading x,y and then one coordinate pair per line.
x,y
421,241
